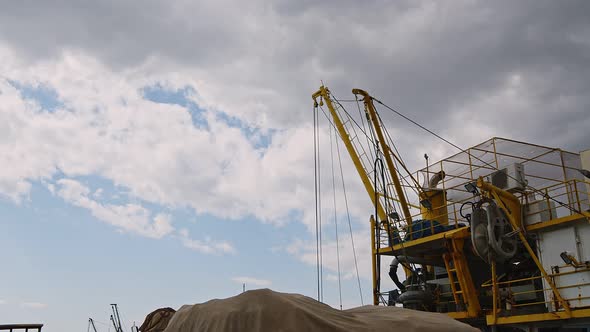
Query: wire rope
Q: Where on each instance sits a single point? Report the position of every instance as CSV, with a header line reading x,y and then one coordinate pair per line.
x,y
572,209
320,214
315,165
335,218
349,223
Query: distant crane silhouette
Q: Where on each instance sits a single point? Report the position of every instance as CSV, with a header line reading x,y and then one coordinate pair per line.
x,y
91,324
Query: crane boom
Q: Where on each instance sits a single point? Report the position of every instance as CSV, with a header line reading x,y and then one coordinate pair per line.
x,y
371,187
488,247
91,323
116,318
324,94
370,108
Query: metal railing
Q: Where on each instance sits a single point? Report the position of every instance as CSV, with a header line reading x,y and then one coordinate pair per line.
x,y
507,289
20,327
562,199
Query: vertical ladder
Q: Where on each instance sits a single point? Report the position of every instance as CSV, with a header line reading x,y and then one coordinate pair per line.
x,y
457,292
459,274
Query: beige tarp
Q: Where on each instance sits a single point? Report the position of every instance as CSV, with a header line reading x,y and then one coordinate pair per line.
x,y
157,320
266,310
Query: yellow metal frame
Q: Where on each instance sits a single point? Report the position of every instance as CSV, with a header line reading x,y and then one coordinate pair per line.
x,y
321,97
532,318
455,233
324,94
557,221
468,289
511,205
387,153
464,290
447,259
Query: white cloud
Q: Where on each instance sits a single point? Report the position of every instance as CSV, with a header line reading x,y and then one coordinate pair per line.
x,y
98,193
206,246
136,219
467,90
252,281
151,150
306,252
132,218
343,276
34,305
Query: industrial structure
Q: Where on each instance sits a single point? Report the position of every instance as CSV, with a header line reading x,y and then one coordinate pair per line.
x,y
497,235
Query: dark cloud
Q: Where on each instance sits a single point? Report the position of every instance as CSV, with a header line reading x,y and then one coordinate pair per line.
x,y
520,68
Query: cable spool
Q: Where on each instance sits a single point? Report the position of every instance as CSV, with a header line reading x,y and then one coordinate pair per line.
x,y
491,233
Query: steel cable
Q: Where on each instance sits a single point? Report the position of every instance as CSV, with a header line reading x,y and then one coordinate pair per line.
x,y
335,218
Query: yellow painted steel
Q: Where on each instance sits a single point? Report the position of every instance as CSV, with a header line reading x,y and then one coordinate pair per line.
x,y
458,314
455,233
397,200
504,199
324,94
489,282
556,221
450,273
463,288
438,200
370,108
531,318
511,205
464,278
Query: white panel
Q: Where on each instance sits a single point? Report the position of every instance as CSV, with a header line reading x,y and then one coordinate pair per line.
x,y
539,211
584,241
551,244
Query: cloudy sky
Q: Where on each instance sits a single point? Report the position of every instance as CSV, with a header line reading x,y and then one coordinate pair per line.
x,y
158,153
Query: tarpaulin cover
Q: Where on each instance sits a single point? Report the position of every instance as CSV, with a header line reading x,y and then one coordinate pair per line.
x,y
266,310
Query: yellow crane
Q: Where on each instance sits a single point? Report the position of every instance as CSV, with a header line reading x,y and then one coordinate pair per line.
x,y
486,242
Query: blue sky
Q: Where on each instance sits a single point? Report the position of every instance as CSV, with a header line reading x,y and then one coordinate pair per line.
x,y
67,265
62,257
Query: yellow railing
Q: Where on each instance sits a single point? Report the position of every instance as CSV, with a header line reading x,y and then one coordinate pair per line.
x,y
562,199
512,283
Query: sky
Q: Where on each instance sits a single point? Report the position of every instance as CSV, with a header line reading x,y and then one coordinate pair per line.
x,y
160,153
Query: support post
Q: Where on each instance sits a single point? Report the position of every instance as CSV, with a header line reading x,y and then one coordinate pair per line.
x,y
374,257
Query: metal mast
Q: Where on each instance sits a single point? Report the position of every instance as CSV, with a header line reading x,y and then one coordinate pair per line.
x,y
324,94
91,323
370,108
114,324
116,318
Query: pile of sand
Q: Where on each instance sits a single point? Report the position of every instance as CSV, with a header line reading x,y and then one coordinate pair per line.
x,y
265,310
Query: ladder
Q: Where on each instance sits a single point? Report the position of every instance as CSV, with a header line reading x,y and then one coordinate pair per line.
x,y
452,274
465,295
